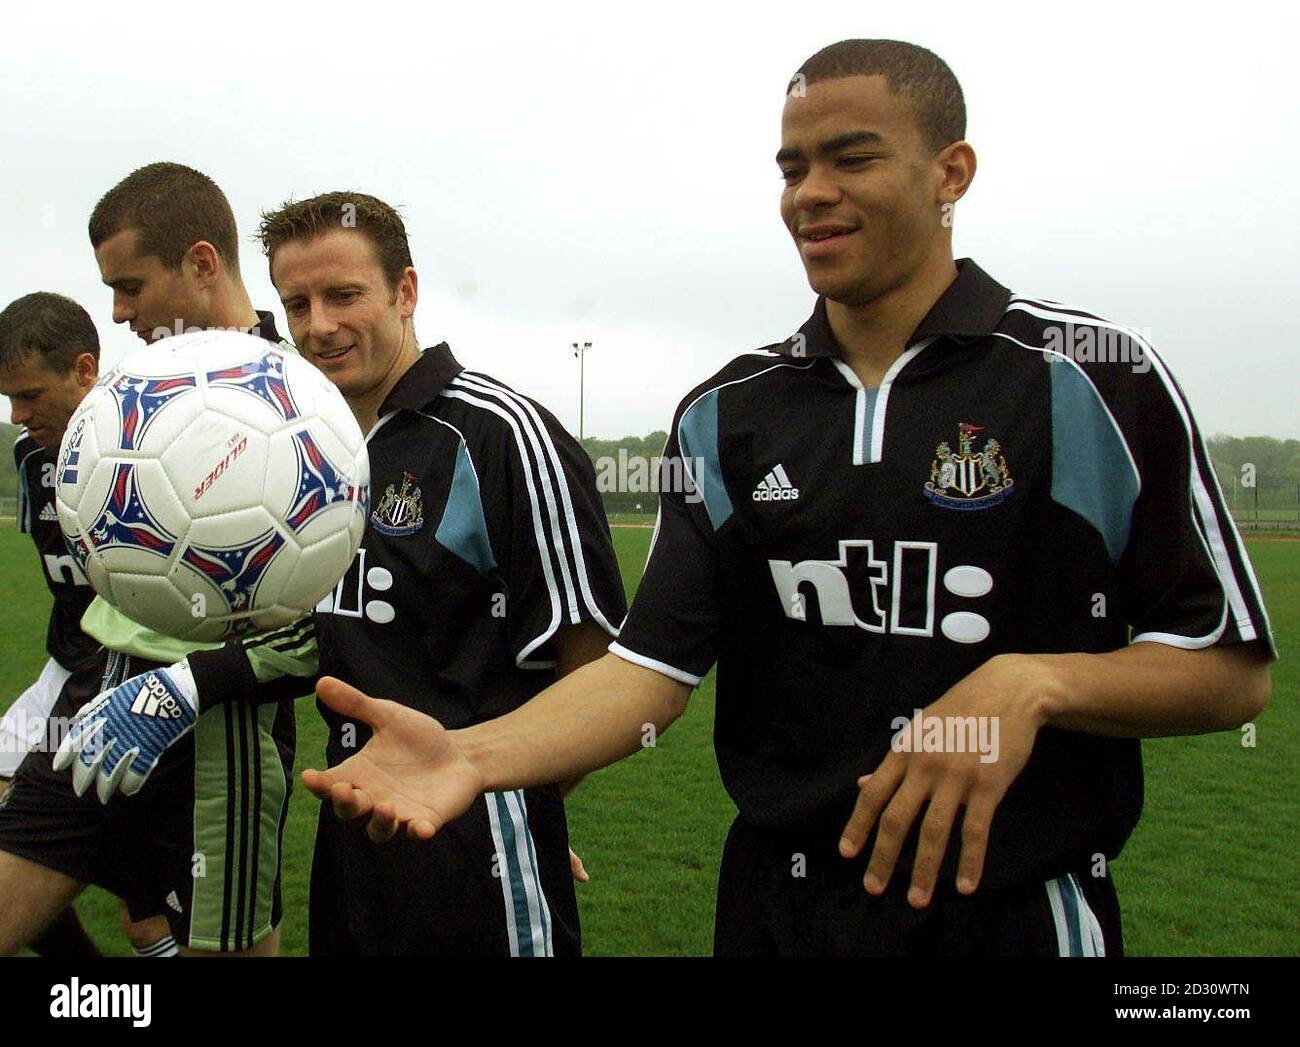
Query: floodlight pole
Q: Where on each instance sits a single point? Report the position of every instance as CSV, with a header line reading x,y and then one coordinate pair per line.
x,y
580,351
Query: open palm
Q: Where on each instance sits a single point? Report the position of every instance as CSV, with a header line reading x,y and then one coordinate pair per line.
x,y
409,775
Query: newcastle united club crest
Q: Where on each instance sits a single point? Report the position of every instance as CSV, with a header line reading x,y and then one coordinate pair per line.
x,y
969,479
399,512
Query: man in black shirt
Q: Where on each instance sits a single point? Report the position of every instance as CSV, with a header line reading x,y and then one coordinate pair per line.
x,y
44,386
951,563
486,570
49,360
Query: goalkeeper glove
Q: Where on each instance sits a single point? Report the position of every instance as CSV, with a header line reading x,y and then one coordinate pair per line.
x,y
118,738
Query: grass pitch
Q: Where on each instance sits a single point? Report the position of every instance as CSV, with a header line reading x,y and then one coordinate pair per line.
x,y
1211,869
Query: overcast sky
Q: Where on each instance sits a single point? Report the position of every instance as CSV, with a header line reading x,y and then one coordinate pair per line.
x,y
605,172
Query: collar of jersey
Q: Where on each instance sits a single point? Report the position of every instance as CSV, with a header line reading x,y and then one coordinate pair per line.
x,y
266,327
423,381
970,308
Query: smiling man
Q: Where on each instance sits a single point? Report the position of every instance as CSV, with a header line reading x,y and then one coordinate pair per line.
x,y
974,530
513,583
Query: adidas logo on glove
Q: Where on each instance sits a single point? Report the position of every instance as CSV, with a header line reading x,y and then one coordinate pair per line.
x,y
116,740
155,700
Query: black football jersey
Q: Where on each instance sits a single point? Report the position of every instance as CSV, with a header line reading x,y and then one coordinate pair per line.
x,y
486,535
64,640
847,554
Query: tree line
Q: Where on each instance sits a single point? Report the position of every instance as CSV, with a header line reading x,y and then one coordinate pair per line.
x,y
1254,471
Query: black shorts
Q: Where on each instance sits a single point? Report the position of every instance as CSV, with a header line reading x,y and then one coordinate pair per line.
x,y
200,844
776,900
495,882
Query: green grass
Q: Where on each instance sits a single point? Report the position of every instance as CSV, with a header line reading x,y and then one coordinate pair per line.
x,y
1212,867
1246,513
629,519
1271,522
1210,870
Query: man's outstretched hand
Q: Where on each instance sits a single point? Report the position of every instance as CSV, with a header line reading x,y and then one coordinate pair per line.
x,y
409,775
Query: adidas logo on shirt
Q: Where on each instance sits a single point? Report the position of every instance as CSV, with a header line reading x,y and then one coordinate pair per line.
x,y
776,487
155,700
49,513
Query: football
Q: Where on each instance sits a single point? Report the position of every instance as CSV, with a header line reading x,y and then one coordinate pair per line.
x,y
213,484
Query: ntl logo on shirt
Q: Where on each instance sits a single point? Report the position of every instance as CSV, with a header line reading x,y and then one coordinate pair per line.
x,y
888,610
378,579
75,1000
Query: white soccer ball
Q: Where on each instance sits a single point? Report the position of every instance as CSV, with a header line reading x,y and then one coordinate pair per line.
x,y
213,484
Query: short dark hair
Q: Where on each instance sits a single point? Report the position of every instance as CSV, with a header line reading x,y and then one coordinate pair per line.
x,y
173,207
920,76
48,324
344,209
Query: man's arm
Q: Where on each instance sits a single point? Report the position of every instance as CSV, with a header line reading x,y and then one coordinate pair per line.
x,y
1150,689
1145,690
575,646
593,717
267,667
414,774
